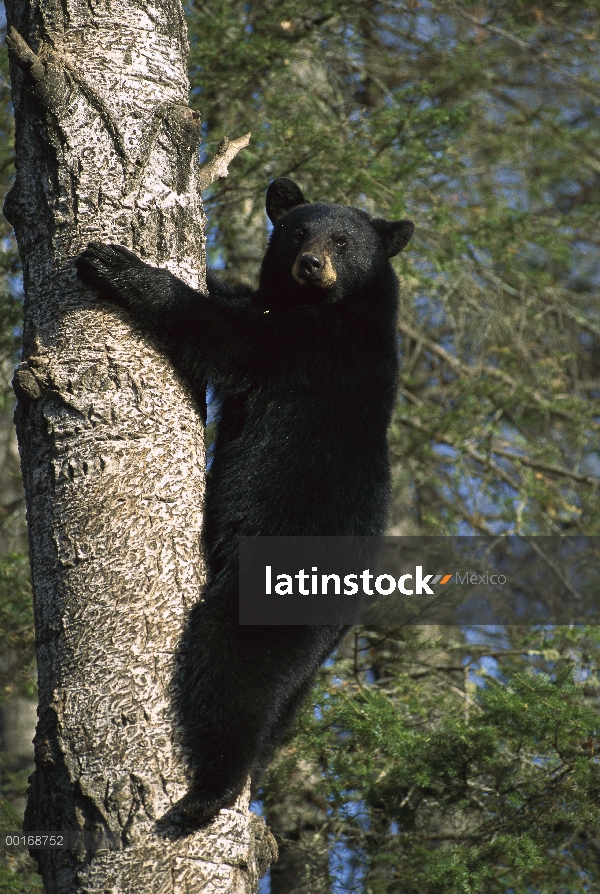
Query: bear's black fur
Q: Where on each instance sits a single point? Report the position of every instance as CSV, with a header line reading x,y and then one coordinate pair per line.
x,y
305,371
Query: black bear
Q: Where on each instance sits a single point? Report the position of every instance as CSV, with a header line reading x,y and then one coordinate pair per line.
x,y
305,373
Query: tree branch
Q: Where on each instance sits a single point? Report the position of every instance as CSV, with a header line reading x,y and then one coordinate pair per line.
x,y
24,56
218,166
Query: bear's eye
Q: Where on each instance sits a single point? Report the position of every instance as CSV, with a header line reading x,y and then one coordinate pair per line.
x,y
298,235
339,239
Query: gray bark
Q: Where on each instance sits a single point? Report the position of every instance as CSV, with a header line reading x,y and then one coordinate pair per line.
x,y
111,447
13,531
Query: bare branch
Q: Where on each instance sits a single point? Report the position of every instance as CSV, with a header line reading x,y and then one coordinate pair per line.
x,y
551,468
218,166
24,55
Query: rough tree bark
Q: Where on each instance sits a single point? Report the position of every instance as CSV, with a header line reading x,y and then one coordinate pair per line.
x,y
111,446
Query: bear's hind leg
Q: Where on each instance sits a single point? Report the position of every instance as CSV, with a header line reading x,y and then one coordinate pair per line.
x,y
326,640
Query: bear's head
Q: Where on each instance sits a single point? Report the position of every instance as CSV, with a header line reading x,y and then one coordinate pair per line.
x,y
323,253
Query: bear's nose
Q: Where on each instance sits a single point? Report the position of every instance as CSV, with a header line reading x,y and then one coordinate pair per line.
x,y
310,266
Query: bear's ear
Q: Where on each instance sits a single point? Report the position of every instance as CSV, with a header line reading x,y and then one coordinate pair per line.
x,y
283,195
395,234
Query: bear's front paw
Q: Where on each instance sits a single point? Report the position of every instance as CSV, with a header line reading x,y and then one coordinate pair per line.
x,y
107,268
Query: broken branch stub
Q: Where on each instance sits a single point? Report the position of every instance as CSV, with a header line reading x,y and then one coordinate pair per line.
x,y
218,166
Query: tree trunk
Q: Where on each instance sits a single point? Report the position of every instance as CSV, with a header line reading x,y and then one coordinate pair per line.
x,y
111,448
